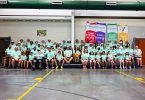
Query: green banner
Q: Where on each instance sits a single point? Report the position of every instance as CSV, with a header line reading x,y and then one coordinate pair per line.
x,y
112,32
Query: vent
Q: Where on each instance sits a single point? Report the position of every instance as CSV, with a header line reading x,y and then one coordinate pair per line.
x,y
3,1
57,2
111,3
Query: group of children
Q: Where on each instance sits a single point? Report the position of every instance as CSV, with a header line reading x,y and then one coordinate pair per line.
x,y
44,54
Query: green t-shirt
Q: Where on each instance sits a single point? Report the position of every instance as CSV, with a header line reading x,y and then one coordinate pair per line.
x,y
31,57
92,57
50,55
68,53
121,57
85,56
39,56
59,57
127,57
23,57
103,57
16,54
98,57
8,51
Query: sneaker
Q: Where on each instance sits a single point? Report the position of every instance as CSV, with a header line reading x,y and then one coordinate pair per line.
x,y
120,67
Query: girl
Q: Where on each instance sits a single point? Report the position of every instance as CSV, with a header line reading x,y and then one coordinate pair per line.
x,y
59,59
84,58
8,56
103,56
138,56
92,60
121,60
23,60
98,59
127,60
110,58
30,60
130,50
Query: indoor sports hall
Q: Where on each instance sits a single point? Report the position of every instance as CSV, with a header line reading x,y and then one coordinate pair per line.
x,y
72,49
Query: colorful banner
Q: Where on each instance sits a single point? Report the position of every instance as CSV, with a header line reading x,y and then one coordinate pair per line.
x,y
90,36
123,32
112,32
100,32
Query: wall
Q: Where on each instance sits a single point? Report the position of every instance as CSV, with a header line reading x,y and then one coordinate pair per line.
x,y
136,26
57,30
60,30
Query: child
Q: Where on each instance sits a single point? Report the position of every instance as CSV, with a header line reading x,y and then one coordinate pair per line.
x,y
98,59
23,60
127,60
8,56
110,58
103,56
30,60
68,55
92,60
138,56
84,58
59,59
77,55
121,60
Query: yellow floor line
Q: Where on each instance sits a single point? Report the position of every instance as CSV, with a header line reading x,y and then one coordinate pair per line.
x,y
33,86
133,77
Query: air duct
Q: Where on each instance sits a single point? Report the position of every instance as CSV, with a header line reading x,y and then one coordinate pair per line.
x,y
74,4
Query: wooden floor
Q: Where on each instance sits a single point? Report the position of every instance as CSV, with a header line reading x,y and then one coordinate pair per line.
x,y
72,84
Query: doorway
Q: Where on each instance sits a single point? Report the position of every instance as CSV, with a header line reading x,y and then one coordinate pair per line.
x,y
141,44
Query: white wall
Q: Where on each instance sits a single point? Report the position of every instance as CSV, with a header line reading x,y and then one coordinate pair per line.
x,y
57,30
136,26
60,30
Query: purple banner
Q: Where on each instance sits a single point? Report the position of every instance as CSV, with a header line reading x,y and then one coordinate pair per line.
x,y
100,32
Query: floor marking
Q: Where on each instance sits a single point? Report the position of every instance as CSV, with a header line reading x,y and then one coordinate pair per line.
x,y
38,79
133,77
10,99
33,86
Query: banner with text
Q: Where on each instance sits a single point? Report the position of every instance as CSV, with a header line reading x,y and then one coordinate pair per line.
x,y
100,32
123,32
112,32
90,36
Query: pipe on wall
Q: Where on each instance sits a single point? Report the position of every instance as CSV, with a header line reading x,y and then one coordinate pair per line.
x,y
73,4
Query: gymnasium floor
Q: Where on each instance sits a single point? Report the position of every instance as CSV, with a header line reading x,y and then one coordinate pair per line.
x,y
72,84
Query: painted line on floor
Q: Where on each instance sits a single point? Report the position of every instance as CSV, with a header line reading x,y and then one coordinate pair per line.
x,y
33,86
131,76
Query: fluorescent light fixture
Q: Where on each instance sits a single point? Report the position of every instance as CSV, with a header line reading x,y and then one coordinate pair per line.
x,y
111,3
3,1
56,2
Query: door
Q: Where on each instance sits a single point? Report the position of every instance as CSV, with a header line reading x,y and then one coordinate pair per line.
x,y
4,43
141,44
